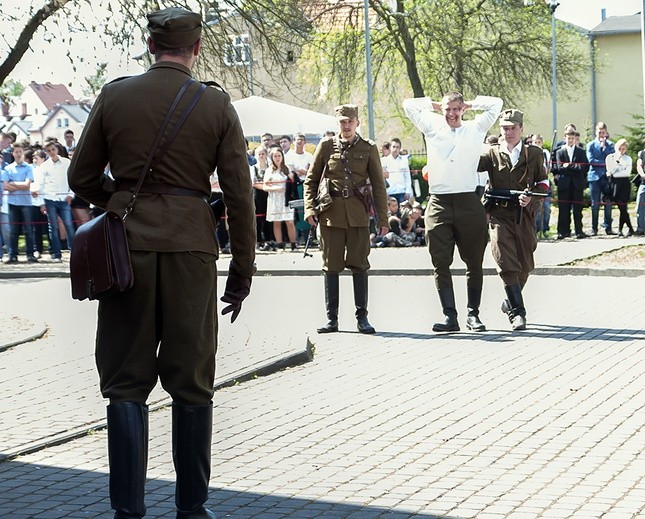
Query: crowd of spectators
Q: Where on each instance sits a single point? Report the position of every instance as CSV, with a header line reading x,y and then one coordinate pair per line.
x,y
36,201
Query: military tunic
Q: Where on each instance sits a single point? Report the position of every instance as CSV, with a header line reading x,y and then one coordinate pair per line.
x,y
344,227
513,244
172,305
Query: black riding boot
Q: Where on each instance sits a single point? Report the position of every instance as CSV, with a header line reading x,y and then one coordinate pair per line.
x,y
331,303
128,457
192,430
474,299
450,323
517,312
360,300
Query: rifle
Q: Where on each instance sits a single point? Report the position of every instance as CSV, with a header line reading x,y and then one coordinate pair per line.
x,y
510,196
310,237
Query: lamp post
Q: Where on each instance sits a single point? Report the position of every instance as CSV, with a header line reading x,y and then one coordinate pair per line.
x,y
368,69
553,5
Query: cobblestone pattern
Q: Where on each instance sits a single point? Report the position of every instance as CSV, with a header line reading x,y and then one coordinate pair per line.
x,y
547,423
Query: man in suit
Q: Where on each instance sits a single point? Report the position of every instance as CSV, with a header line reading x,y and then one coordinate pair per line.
x,y
350,164
514,165
165,326
570,173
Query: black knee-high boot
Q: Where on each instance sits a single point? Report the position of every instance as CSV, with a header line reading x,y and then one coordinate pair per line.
x,y
360,300
450,323
474,300
128,457
331,303
517,312
192,430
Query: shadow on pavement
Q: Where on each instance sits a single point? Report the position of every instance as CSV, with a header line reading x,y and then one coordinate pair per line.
x,y
536,330
30,491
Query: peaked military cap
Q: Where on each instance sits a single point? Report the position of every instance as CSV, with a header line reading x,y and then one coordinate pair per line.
x,y
174,27
346,111
511,117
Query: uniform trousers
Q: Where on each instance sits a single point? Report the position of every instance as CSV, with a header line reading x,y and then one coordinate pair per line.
x,y
513,244
345,248
456,219
164,327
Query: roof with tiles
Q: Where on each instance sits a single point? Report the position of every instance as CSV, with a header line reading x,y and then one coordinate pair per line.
x,y
52,95
618,25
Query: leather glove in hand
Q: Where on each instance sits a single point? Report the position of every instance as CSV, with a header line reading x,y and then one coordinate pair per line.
x,y
237,290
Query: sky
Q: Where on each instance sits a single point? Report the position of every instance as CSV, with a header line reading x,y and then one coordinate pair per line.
x,y
47,61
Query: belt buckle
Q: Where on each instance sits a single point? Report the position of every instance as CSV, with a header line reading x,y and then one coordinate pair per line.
x,y
345,192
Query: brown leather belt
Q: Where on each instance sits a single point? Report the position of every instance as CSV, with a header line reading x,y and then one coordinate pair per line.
x,y
158,188
341,193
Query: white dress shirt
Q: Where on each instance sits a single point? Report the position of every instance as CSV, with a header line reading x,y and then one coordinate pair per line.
x,y
453,153
399,174
50,179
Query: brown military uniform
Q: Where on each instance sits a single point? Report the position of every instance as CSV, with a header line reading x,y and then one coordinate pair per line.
x,y
513,244
172,304
344,227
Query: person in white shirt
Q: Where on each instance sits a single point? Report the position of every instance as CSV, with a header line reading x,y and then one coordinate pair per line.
x,y
50,182
298,160
398,172
455,214
619,168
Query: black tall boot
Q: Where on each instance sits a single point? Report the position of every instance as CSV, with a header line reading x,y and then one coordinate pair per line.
x,y
331,303
128,458
360,300
450,323
474,299
517,312
192,430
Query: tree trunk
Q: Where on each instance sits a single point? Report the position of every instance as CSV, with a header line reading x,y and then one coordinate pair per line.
x,y
22,44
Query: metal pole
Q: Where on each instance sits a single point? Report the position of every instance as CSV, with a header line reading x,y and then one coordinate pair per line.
x,y
554,92
368,69
643,45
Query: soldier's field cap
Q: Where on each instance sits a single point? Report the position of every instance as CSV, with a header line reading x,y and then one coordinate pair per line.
x,y
511,117
346,112
174,28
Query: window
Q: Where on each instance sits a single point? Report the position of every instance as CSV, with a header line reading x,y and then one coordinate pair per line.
x,y
238,52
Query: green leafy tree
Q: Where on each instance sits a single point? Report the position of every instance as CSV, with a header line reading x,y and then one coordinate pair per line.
x,y
95,82
8,91
276,25
500,47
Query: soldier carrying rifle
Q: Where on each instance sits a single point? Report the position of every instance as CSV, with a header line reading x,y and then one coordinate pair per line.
x,y
516,170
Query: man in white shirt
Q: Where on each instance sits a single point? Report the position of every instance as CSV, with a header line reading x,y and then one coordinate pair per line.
x,y
298,160
398,172
50,182
455,214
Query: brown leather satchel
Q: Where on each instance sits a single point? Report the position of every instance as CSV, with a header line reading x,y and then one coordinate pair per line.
x,y
100,264
100,261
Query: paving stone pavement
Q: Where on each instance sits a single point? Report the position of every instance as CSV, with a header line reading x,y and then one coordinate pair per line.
x,y
546,423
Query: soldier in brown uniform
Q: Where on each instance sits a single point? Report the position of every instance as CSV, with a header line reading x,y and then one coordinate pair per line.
x,y
165,326
514,165
350,163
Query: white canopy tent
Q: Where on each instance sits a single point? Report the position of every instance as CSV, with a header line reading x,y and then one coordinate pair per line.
x,y
259,115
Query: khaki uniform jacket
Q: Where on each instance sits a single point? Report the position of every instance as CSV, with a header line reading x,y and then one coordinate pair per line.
x,y
365,164
121,129
527,173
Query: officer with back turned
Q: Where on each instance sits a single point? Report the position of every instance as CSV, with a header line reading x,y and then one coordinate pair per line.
x,y
165,326
351,164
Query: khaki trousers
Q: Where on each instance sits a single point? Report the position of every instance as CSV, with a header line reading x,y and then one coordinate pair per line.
x,y
164,327
456,219
513,245
345,248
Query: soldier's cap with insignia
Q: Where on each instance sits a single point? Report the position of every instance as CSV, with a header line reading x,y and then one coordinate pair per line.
x,y
174,27
511,117
343,112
